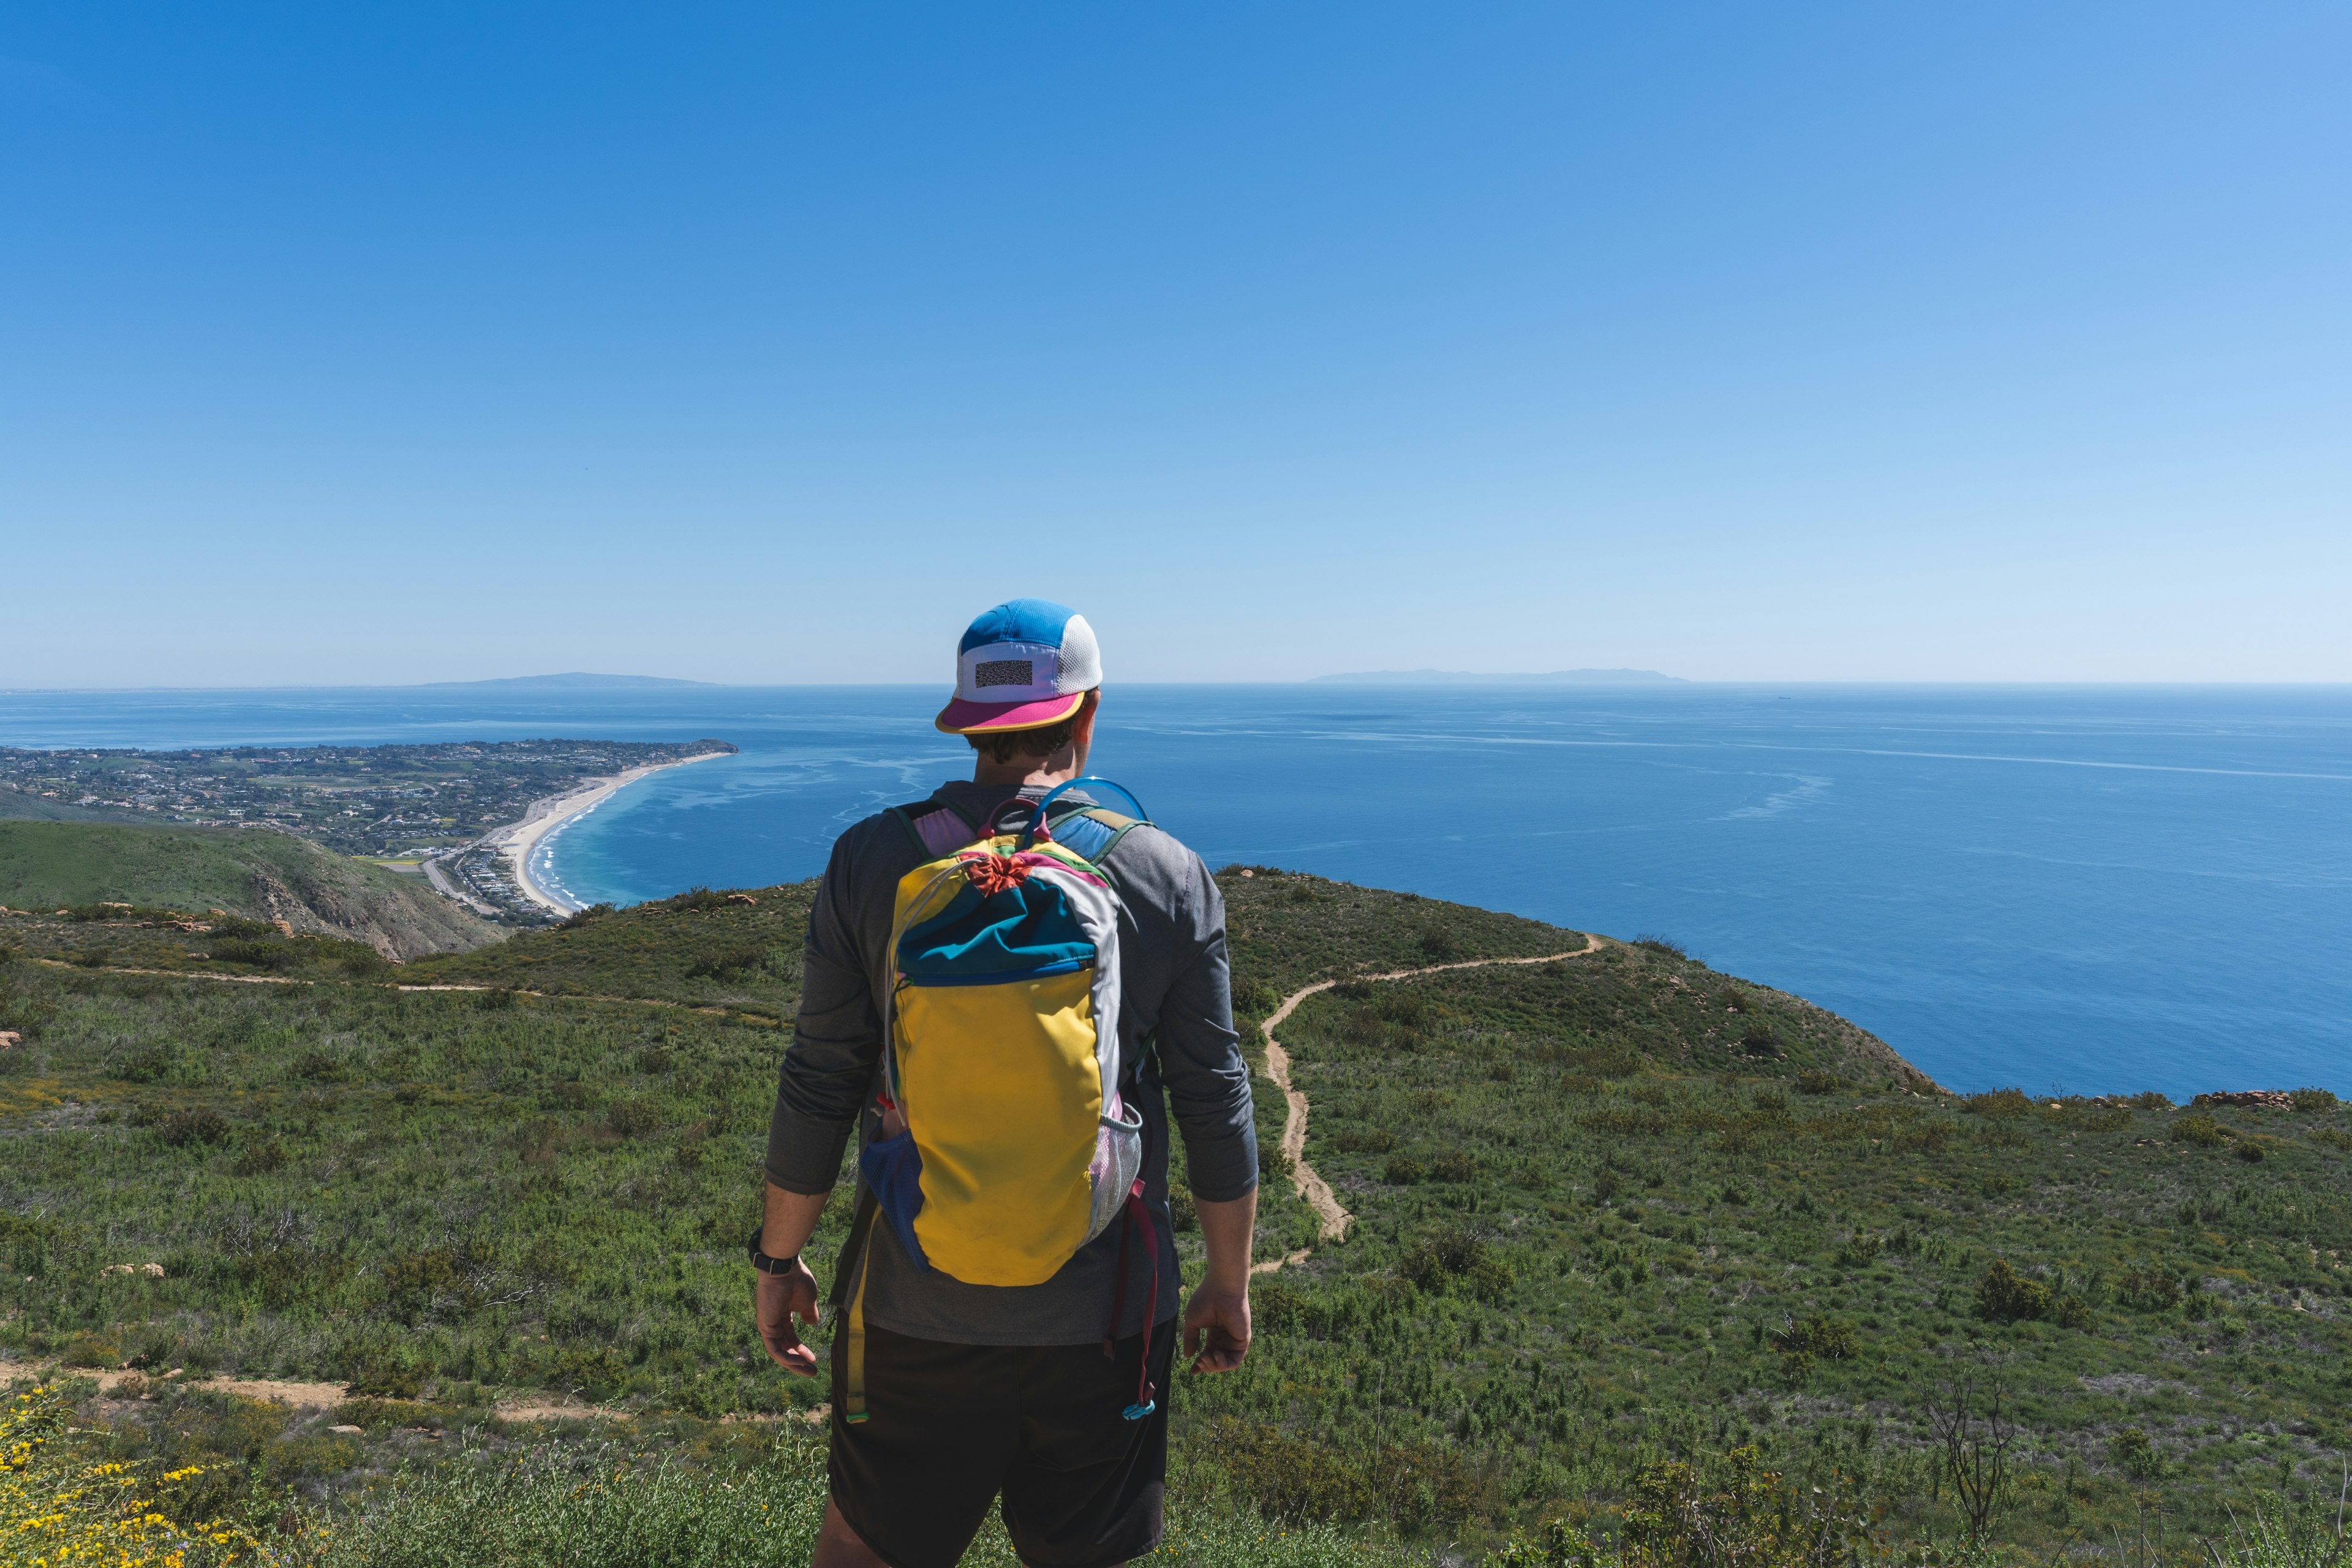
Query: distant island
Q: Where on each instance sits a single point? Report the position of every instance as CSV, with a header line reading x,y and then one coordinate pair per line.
x,y
574,681
1468,677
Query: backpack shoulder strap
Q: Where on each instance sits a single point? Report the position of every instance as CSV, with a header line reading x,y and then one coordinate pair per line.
x,y
936,829
1092,832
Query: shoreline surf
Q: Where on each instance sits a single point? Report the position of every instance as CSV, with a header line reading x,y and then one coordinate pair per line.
x,y
517,842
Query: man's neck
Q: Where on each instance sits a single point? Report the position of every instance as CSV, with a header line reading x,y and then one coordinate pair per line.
x,y
1015,777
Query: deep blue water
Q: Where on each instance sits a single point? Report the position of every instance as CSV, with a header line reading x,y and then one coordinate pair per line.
x,y
2088,889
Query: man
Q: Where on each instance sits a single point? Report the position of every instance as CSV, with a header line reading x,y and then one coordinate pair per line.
x,y
973,1390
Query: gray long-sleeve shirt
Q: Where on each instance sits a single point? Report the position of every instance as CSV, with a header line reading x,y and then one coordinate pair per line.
x,y
1176,1038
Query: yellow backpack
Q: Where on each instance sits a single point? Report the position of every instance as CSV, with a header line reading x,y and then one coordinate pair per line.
x,y
1005,1145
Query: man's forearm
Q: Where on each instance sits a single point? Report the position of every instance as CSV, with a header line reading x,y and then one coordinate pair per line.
x,y
790,1220
1227,1229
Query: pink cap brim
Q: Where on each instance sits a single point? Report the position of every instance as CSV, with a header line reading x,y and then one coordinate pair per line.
x,y
962,718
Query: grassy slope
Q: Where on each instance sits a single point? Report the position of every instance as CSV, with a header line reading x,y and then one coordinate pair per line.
x,y
257,874
1621,1205
1609,1247
696,948
17,804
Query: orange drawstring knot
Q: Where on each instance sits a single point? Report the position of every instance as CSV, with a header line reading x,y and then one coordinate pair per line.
x,y
993,874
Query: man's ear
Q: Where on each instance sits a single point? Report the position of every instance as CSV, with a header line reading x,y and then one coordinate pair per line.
x,y
1082,735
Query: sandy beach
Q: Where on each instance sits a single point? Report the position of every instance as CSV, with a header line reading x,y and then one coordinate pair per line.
x,y
517,842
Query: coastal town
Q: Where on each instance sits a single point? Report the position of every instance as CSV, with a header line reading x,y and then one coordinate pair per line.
x,y
462,816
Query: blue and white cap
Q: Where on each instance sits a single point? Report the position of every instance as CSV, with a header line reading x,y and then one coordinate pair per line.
x,y
1021,665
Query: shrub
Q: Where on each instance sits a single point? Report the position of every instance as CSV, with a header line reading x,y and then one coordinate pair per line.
x,y
1831,1339
2135,1455
1998,1103
1439,943
2148,1290
2316,1099
145,1066
181,1128
1183,1216
261,1159
2249,1152
1663,946
2201,1129
1814,1080
1736,1196
383,1378
586,917
1290,1479
2072,1312
1403,1171
1254,997
1272,1160
2006,1296
1758,1040
1451,1254
57,1506
1453,1165
2150,1100
1363,1139
91,1350
593,1370
258,955
1860,1248
733,964
316,1067
634,1117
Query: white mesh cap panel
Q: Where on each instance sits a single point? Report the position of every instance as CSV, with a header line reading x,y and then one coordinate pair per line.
x,y
1081,661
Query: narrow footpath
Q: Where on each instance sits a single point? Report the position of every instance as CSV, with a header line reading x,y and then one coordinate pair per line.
x,y
1311,1186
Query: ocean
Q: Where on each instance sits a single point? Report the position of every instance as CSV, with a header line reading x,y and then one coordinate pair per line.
x,y
2068,889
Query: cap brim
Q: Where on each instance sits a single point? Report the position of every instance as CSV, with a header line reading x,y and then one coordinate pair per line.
x,y
962,718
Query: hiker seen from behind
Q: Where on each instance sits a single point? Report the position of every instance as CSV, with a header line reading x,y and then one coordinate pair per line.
x,y
1014,990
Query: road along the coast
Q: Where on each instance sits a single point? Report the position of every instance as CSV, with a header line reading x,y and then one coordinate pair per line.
x,y
1311,1186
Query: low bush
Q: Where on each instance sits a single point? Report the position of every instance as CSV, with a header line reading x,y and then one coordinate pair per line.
x,y
1440,1259
1998,1103
1453,1165
2135,1455
201,1125
2201,1129
731,964
2006,1296
2147,1289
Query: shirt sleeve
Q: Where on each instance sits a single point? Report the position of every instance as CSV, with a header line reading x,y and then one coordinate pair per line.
x,y
1200,1061
836,1042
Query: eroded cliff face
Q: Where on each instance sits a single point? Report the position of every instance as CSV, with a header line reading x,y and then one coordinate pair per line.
x,y
368,905
258,873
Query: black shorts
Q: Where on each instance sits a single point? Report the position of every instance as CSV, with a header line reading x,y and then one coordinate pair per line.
x,y
949,1428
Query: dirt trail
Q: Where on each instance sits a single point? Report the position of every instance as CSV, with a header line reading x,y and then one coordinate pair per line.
x,y
761,1018
1312,1186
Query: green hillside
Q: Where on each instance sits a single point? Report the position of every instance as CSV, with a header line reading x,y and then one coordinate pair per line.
x,y
259,874
1606,1212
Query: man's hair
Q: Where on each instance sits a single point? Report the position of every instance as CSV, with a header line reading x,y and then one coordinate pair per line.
x,y
1002,746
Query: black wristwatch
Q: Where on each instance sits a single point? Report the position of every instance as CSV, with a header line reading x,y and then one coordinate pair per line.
x,y
765,1264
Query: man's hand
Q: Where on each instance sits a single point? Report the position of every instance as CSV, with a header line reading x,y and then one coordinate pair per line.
x,y
1217,1319
1217,1325
778,1299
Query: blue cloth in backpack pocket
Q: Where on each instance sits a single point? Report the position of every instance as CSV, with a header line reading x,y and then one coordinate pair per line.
x,y
893,1168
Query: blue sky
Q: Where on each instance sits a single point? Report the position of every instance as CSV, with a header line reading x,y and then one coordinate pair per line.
x,y
768,343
